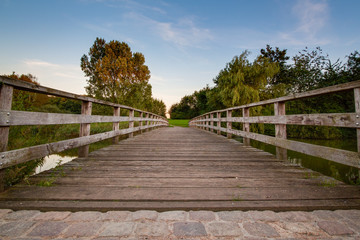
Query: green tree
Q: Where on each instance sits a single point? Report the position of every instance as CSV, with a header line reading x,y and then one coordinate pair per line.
x,y
116,74
240,81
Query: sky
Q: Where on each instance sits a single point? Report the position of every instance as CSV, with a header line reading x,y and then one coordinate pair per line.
x,y
185,42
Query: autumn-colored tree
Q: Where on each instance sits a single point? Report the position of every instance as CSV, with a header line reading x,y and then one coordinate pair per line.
x,y
116,74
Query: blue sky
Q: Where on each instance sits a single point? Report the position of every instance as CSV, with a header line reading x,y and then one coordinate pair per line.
x,y
185,42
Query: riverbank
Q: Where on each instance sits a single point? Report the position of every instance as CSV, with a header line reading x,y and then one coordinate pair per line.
x,y
32,224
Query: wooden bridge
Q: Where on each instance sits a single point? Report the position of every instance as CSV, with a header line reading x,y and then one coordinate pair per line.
x,y
171,168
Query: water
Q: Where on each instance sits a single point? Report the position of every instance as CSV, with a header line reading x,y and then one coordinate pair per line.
x,y
52,161
346,174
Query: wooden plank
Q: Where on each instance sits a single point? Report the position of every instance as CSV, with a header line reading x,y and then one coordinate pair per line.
x,y
280,130
228,123
76,193
181,168
246,125
347,120
14,157
86,108
131,122
294,205
357,111
6,95
116,124
31,87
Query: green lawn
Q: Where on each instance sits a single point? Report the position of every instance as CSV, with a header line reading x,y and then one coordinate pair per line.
x,y
179,122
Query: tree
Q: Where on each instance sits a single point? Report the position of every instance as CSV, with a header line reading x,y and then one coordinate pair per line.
x,y
240,81
116,74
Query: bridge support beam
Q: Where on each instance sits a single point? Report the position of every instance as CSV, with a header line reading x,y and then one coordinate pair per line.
x,y
6,94
116,124
219,123
357,110
228,123
246,126
280,130
86,108
131,122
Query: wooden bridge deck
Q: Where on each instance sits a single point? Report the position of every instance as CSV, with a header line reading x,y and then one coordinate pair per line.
x,y
181,168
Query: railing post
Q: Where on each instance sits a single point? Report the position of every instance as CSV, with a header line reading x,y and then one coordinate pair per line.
x,y
280,130
147,122
85,127
131,122
228,123
207,123
357,110
246,126
141,122
212,122
6,95
219,123
116,124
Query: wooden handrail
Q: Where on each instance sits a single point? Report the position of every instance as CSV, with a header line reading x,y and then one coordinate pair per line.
x,y
9,118
280,120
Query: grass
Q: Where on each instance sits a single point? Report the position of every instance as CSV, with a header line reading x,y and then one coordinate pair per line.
x,y
179,122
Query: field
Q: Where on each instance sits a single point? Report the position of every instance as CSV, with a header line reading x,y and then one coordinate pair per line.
x,y
179,122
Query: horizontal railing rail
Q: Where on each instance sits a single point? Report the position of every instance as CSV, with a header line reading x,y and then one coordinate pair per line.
x,y
212,121
10,118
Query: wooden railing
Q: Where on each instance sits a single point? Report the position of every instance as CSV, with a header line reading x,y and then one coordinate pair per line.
x,y
8,118
212,121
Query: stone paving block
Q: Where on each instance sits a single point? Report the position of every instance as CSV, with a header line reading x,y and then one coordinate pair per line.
x,y
83,229
118,229
142,214
296,216
46,216
304,229
48,229
202,215
84,216
189,229
116,216
153,229
260,230
173,216
326,215
233,216
224,229
268,216
3,212
350,214
15,229
334,228
23,215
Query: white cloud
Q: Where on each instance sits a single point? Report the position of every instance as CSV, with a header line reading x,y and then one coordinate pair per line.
x,y
39,63
183,33
312,16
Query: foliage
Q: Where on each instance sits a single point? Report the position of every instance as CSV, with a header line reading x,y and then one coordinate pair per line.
x,y
179,122
118,75
271,75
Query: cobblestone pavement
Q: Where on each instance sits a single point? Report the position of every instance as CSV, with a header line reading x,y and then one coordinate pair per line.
x,y
35,225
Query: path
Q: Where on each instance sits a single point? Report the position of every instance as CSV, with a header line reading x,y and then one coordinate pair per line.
x,y
181,169
195,225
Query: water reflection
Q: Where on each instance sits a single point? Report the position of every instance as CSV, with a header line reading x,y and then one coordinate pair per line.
x,y
52,161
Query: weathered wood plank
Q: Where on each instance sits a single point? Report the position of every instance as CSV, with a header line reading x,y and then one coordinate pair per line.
x,y
86,109
177,169
323,119
18,118
31,87
336,155
14,157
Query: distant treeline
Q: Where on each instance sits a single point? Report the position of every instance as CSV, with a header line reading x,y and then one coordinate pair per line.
x,y
274,74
